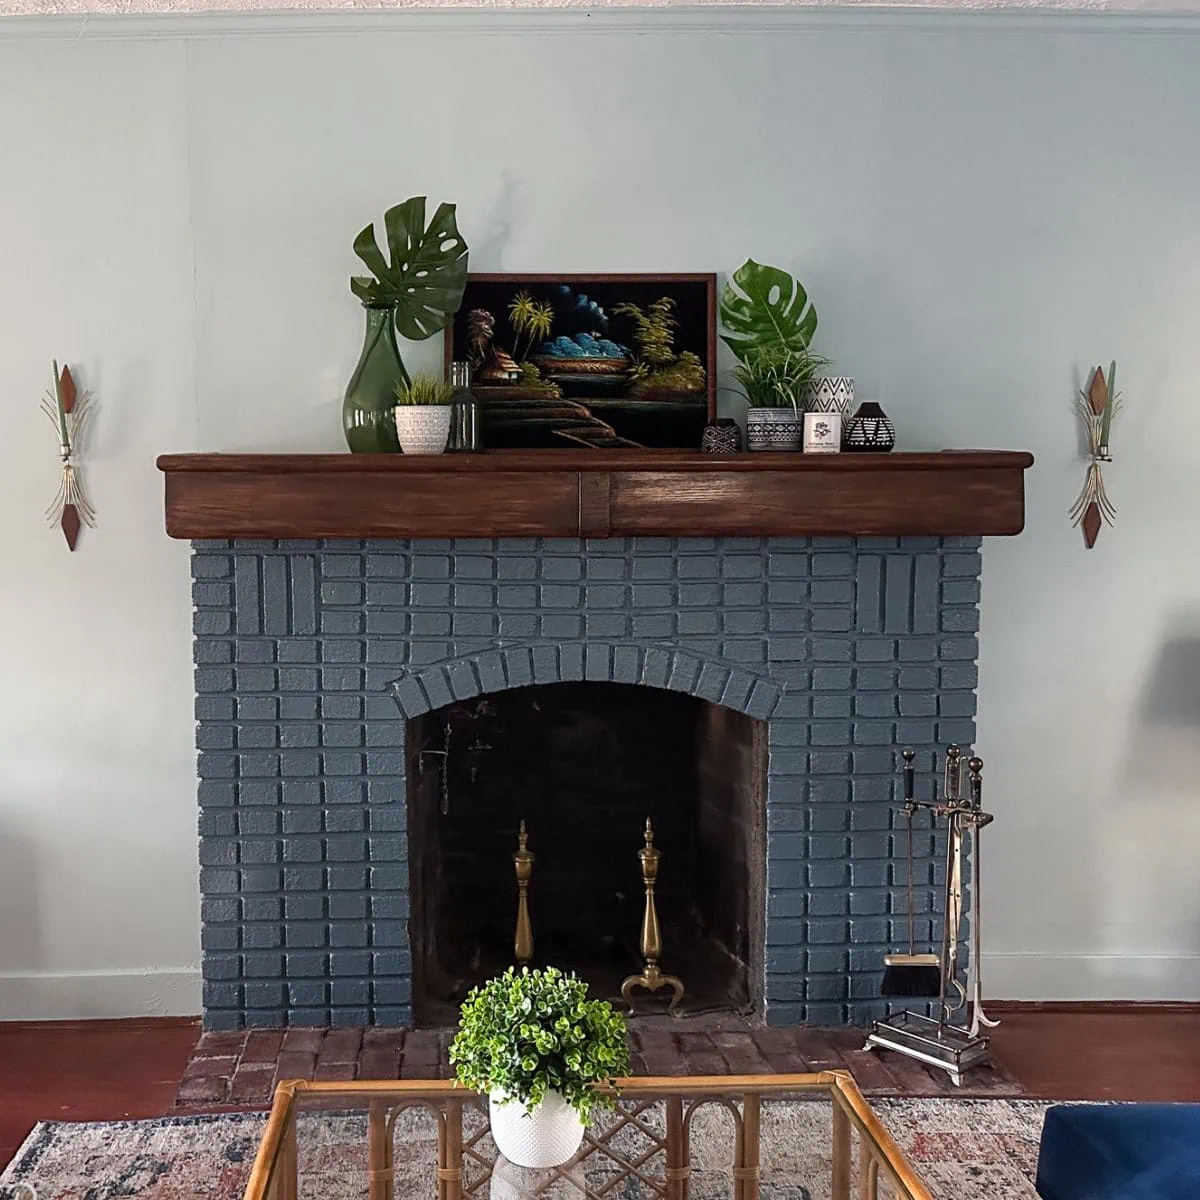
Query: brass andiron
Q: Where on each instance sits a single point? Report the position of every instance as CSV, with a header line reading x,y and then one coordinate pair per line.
x,y
523,868
651,977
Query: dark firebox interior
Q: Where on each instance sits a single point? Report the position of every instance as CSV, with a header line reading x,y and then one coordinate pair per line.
x,y
584,765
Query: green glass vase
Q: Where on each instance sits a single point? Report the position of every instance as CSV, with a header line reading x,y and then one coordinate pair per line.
x,y
368,412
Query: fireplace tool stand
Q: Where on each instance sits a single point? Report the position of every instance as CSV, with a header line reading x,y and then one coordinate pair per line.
x,y
941,1041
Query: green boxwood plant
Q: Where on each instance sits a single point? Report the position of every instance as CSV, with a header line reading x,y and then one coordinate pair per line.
x,y
530,1032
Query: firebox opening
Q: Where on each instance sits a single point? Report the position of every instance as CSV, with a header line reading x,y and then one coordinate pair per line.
x,y
584,765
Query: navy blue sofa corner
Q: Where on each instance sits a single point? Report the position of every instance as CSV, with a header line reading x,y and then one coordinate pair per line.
x,y
1120,1152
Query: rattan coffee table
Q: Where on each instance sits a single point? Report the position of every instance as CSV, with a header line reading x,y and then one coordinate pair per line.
x,y
391,1140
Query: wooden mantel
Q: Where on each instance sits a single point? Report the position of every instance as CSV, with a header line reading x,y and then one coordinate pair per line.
x,y
593,493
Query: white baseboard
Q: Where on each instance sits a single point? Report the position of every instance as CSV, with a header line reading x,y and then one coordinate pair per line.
x,y
137,992
175,991
1023,976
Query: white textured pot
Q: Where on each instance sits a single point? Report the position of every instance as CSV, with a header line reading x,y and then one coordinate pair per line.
x,y
546,1137
423,428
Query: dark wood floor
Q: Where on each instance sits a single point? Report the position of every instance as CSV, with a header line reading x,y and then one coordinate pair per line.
x,y
1117,1053
108,1070
88,1071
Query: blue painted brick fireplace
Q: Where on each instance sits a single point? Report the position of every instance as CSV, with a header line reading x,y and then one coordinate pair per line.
x,y
310,655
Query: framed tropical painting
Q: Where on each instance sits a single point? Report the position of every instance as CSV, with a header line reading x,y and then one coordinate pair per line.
x,y
599,361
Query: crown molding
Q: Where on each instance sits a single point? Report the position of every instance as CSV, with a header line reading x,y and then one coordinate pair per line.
x,y
723,19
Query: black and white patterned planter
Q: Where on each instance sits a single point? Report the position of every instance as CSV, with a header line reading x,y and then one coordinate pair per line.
x,y
830,394
773,429
722,436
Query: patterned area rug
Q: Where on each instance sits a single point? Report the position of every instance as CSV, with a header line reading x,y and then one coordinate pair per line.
x,y
964,1149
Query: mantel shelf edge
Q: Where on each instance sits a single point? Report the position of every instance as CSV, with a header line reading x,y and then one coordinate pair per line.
x,y
610,493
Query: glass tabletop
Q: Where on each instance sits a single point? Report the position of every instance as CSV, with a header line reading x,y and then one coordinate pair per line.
x,y
678,1138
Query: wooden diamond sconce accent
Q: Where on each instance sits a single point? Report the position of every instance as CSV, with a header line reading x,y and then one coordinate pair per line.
x,y
68,410
1096,408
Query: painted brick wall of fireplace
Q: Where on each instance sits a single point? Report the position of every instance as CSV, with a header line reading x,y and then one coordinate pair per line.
x,y
309,656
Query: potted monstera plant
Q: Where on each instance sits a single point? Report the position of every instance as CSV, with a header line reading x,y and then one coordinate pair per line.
x,y
414,290
769,325
541,1051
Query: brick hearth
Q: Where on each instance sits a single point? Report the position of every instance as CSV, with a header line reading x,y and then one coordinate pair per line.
x,y
242,1067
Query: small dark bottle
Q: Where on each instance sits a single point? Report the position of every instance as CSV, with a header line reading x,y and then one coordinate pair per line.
x,y
464,420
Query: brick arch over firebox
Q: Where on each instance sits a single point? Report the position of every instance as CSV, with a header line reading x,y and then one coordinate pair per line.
x,y
533,663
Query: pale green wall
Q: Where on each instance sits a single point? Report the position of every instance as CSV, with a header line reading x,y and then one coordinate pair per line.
x,y
981,207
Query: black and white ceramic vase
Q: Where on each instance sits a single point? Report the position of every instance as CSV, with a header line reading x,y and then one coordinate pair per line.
x,y
773,429
870,429
830,394
722,436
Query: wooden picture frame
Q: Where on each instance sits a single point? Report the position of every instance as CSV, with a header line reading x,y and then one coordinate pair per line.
x,y
637,383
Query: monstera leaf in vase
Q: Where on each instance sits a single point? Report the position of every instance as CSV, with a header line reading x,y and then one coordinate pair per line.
x,y
414,294
428,269
766,313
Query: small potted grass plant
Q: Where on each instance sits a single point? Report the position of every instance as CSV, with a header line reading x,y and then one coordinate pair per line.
x,y
541,1051
774,381
423,412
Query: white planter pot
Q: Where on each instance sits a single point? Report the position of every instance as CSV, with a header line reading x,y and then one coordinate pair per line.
x,y
546,1137
773,429
423,428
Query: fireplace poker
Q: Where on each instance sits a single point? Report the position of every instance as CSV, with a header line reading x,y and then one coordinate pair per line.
x,y
979,820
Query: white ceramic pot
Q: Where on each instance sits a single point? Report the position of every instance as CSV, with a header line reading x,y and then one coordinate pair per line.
x,y
830,394
547,1136
423,428
773,429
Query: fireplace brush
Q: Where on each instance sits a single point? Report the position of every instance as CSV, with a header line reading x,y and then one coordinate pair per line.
x,y
911,974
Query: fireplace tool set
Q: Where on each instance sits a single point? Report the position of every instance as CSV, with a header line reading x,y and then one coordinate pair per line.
x,y
944,1040
651,977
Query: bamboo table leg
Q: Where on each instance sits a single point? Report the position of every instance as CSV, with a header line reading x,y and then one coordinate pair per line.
x,y
287,1168
379,1153
450,1153
841,1152
747,1170
678,1169
868,1172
